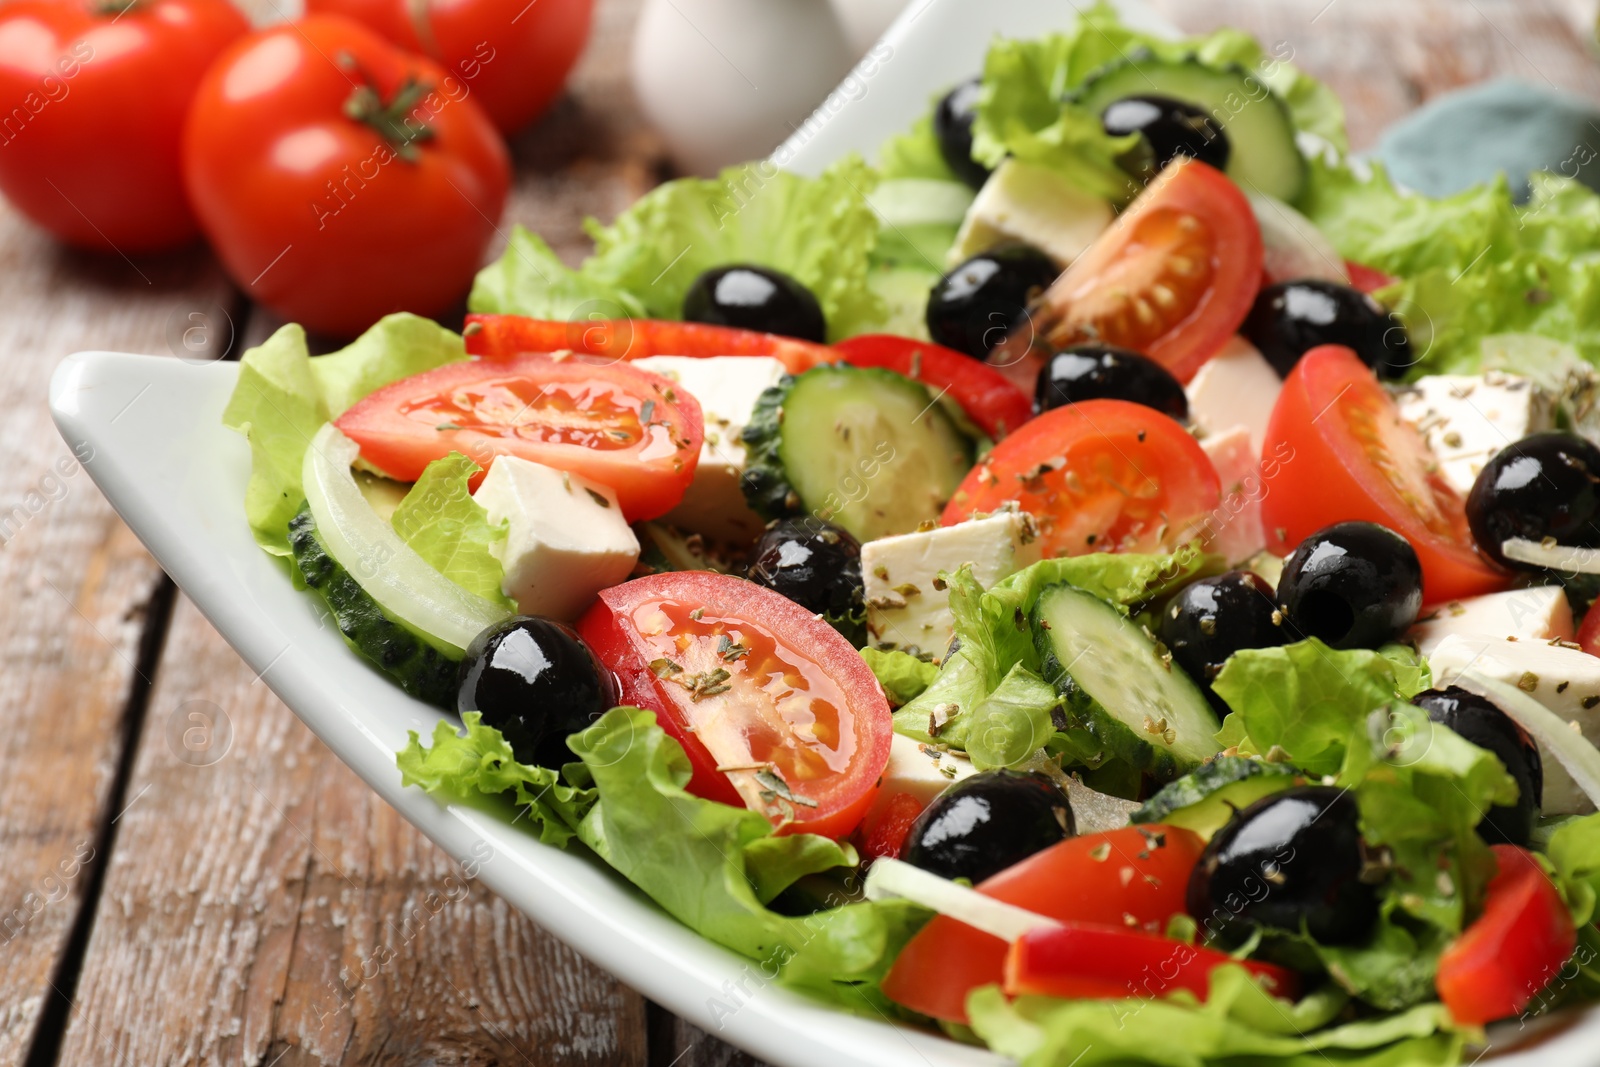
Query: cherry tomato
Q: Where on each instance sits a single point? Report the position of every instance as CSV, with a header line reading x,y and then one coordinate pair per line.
x,y
1366,279
987,396
1085,960
93,97
1589,631
1173,277
883,832
512,55
1505,958
339,178
1097,476
1135,878
1356,458
775,710
615,425
625,339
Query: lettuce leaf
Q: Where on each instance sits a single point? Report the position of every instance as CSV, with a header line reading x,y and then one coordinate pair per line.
x,y
819,230
284,395
902,675
915,153
447,528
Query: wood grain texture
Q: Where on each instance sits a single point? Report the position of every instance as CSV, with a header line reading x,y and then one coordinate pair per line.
x,y
263,906
76,584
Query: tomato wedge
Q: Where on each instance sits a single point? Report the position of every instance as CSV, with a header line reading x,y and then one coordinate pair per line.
x,y
986,395
1134,877
615,425
1589,631
1354,457
1173,277
883,833
1367,279
775,710
1086,960
1099,475
626,339
1502,961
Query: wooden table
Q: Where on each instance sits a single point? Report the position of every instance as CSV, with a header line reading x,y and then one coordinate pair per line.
x,y
246,907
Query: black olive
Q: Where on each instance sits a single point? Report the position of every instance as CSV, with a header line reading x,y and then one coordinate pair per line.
x,y
1213,618
1171,128
748,297
1098,372
536,682
1291,861
952,125
1486,726
1352,584
813,563
973,307
1291,318
1542,486
985,823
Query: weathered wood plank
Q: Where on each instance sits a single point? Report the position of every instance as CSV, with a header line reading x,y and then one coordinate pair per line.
x,y
76,585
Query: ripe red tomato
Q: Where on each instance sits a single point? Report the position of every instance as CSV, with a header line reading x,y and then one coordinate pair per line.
x,y
92,100
615,425
1135,878
1356,458
986,395
885,829
338,178
1173,277
513,56
1367,279
1504,960
1099,475
626,339
1589,631
750,682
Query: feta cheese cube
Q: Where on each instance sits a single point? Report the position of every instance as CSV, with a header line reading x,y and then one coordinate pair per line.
x,y
567,538
1537,614
1234,530
1024,202
727,388
905,608
1466,419
1565,680
919,771
1235,387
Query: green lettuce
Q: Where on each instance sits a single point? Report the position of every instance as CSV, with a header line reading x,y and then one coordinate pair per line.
x,y
712,866
819,230
447,528
284,395
902,675
1471,265
915,153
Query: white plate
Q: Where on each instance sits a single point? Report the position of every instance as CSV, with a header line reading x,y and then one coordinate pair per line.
x,y
177,477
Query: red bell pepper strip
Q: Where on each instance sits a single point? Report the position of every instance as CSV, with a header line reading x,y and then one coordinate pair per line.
x,y
628,339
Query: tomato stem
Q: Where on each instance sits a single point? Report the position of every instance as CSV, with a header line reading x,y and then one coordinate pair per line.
x,y
392,119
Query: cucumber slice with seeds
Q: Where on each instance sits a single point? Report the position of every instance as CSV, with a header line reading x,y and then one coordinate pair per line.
x,y
1122,693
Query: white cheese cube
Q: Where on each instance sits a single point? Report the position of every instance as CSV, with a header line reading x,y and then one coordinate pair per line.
x,y
905,608
1466,419
1537,614
919,771
1565,680
1234,530
567,538
1235,387
1023,202
727,388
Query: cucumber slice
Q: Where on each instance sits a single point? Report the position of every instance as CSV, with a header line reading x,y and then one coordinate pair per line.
x,y
389,570
1263,157
420,669
1206,798
861,447
1121,691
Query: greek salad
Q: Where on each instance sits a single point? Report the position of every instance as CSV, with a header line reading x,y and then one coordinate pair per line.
x,y
1108,579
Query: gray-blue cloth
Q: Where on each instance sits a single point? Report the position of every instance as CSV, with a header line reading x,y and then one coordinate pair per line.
x,y
1506,126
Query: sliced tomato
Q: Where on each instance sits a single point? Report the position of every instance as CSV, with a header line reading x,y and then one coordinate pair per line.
x,y
1354,457
1503,960
1099,475
1367,279
620,427
986,395
1589,631
1173,277
626,339
1087,960
883,833
775,710
1135,878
